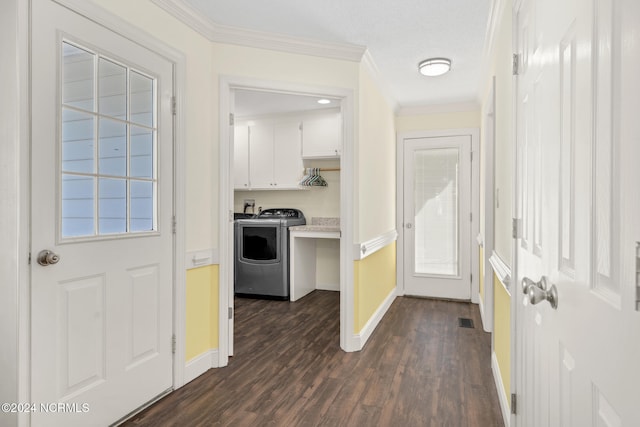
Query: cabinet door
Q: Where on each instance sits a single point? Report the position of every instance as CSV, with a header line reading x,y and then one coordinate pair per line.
x,y
322,136
241,157
261,156
288,163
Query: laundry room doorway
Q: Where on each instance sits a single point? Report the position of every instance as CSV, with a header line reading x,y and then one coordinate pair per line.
x,y
274,171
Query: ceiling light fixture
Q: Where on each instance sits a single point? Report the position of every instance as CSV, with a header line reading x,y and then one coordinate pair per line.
x,y
324,101
434,66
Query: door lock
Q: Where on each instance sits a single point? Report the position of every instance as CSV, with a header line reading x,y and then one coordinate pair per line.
x,y
409,225
47,257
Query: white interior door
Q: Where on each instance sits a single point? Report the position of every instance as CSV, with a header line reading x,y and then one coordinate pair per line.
x,y
577,142
102,178
437,224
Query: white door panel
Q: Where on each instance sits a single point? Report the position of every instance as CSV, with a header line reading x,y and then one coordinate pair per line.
x,y
437,216
578,202
102,179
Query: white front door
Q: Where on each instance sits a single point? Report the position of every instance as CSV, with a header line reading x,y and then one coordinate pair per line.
x,y
102,179
578,202
437,223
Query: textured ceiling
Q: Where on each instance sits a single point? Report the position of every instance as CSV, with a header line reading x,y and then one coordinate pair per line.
x,y
255,103
398,35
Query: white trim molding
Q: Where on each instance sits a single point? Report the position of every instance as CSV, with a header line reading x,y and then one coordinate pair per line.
x,y
495,17
502,394
202,258
501,269
366,332
483,315
371,246
348,105
218,33
200,364
480,240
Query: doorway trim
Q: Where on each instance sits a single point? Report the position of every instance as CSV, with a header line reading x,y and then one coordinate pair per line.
x,y
229,83
474,133
124,29
491,197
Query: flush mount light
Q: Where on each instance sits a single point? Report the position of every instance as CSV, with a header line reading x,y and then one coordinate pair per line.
x,y
324,101
434,66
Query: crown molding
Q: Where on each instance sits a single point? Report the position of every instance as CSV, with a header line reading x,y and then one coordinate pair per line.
x,y
494,20
183,12
214,32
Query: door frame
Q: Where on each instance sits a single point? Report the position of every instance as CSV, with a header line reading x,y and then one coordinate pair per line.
x,y
474,133
491,197
121,27
14,296
517,309
228,83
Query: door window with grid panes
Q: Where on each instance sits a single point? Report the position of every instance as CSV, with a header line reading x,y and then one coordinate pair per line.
x,y
108,152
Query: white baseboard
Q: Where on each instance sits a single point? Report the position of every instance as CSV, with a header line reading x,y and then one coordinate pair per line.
x,y
328,286
200,364
502,394
482,314
361,339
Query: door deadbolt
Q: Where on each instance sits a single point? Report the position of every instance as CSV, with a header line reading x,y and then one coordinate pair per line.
x,y
47,257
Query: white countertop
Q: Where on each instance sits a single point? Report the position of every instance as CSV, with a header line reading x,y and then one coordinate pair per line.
x,y
319,224
327,228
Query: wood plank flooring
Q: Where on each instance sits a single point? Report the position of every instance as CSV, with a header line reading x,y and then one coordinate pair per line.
x,y
419,368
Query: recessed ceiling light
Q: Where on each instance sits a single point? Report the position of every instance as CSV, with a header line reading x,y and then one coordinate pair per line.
x,y
324,101
434,66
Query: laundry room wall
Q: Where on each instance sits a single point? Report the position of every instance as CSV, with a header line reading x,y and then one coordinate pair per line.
x,y
375,272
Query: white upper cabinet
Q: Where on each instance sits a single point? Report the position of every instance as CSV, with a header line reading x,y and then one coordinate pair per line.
x,y
261,156
287,155
322,136
241,157
267,155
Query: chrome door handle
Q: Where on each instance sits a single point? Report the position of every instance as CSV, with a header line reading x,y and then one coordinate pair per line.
x,y
528,284
537,295
47,257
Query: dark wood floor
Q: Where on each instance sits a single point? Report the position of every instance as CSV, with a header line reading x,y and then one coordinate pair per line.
x,y
419,368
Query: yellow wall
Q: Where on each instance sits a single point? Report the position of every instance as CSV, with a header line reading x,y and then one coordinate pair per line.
x,y
466,119
375,154
202,309
374,277
502,332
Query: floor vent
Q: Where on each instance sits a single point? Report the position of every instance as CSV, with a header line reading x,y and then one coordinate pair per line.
x,y
465,323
